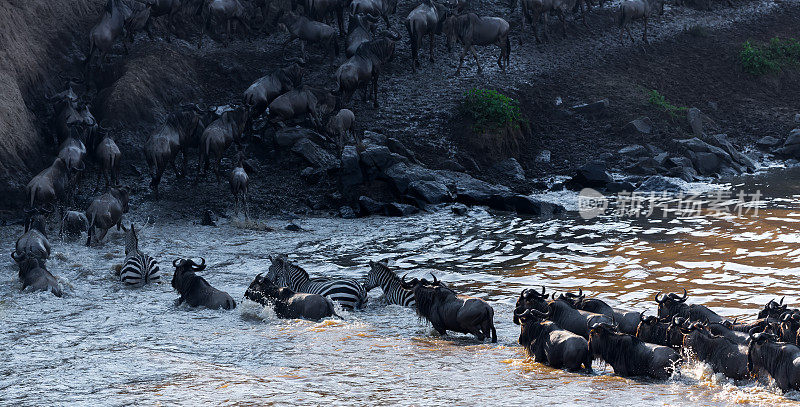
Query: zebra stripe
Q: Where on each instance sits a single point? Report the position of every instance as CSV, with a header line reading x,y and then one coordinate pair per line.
x,y
140,269
348,292
381,276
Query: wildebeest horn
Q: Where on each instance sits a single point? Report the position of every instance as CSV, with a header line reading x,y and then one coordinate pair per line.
x,y
662,300
685,296
17,258
177,262
782,298
435,281
200,266
406,284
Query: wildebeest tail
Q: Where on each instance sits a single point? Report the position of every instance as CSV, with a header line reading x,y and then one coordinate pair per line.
x,y
508,50
621,20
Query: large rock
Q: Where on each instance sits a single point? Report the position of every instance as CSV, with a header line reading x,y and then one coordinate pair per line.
x,y
368,206
642,125
592,175
397,147
314,154
511,168
594,108
658,184
380,157
791,147
370,137
695,118
767,142
472,191
287,137
350,174
721,141
347,212
432,192
633,150
402,174
707,163
399,209
530,206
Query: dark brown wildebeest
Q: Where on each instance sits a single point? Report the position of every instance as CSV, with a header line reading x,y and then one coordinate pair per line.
x,y
532,10
374,8
308,31
626,321
108,155
631,10
72,121
471,30
768,358
659,332
447,311
73,152
106,211
672,304
564,313
218,137
321,10
287,303
547,343
33,243
223,11
427,19
264,90
340,126
33,273
195,290
360,29
138,20
163,145
105,32
47,187
773,309
724,355
300,102
630,356
72,224
365,67
169,8
239,181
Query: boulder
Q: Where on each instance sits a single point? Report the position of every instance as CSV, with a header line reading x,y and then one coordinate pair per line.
x,y
619,186
687,174
370,137
472,191
526,205
350,174
511,168
633,150
397,147
459,209
791,147
451,165
642,125
368,206
380,157
707,163
399,209
653,150
644,166
658,184
721,141
288,136
594,108
314,154
767,142
209,218
347,212
293,227
312,175
592,175
401,174
661,159
695,118
432,192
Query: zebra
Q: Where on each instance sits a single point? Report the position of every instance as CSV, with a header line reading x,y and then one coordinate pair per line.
x,y
381,276
348,292
139,268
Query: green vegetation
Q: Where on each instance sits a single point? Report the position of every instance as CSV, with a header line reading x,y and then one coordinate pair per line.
x,y
658,100
772,57
491,111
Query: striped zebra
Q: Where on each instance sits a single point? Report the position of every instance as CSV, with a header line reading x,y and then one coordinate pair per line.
x,y
381,276
348,292
139,268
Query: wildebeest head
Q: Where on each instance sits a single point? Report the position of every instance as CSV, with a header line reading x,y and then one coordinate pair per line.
x,y
599,335
531,299
528,321
263,291
662,332
670,304
762,349
123,195
574,300
455,27
183,267
291,76
773,309
35,219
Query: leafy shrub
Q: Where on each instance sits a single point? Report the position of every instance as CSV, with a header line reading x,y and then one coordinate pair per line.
x,y
772,57
491,111
658,100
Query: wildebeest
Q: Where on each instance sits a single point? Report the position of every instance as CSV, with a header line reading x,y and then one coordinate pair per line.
x,y
532,10
631,10
73,223
348,292
73,152
381,276
264,90
106,31
33,273
169,8
773,309
447,311
33,243
309,31
547,343
365,67
219,135
287,303
666,333
630,356
724,355
106,211
48,186
238,181
195,290
471,30
162,147
563,313
788,326
360,29
138,20
720,329
300,102
374,8
780,361
425,19
223,11
672,304
340,126
320,10
108,156
70,120
626,321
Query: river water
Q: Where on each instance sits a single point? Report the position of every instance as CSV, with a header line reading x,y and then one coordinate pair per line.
x,y
104,343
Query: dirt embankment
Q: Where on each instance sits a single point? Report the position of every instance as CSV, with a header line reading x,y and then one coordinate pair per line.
x,y
132,93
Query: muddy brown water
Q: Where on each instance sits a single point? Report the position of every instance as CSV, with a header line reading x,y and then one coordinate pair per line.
x,y
106,343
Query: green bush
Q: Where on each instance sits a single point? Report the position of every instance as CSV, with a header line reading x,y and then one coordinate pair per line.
x,y
772,57
491,111
658,100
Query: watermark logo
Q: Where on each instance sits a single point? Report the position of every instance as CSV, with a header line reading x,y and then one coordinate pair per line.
x,y
637,204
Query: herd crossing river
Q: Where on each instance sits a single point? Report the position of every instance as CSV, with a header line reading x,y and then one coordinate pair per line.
x,y
104,341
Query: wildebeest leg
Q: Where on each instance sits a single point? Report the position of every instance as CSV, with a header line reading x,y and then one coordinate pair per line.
x,y
227,33
202,29
303,49
563,19
102,235
628,28
431,47
89,237
100,172
461,60
375,89
545,23
246,209
644,35
219,165
475,55
183,167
